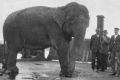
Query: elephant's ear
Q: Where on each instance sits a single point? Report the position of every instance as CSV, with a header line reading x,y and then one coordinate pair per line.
x,y
59,17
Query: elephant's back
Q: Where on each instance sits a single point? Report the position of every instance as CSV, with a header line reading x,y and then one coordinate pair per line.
x,y
32,10
37,11
16,20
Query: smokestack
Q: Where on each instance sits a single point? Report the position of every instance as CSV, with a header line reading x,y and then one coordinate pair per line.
x,y
100,22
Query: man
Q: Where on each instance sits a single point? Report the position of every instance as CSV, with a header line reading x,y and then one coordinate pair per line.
x,y
115,52
94,47
104,42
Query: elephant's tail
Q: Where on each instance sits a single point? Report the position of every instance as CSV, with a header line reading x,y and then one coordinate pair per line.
x,y
4,45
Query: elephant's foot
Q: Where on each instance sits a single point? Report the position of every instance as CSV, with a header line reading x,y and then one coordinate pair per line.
x,y
69,74
2,71
12,72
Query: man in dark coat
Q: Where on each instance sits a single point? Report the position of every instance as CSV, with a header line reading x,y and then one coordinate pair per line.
x,y
104,46
94,47
115,52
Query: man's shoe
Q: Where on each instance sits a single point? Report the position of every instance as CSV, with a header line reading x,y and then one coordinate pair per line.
x,y
1,74
113,74
93,69
117,75
97,70
102,70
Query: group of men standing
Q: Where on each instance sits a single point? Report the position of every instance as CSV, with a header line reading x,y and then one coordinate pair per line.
x,y
101,46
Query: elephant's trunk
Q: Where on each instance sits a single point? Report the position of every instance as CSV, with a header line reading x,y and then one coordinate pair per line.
x,y
75,46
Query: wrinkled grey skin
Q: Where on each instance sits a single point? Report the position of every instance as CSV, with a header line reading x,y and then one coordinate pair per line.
x,y
42,27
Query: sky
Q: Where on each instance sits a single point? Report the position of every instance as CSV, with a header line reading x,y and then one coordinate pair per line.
x,y
110,9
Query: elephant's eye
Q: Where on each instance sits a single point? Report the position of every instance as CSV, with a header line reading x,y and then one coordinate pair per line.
x,y
82,17
73,20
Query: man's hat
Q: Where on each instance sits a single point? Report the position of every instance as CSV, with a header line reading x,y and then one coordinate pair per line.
x,y
105,31
116,28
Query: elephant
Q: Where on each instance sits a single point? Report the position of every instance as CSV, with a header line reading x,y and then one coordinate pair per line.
x,y
40,27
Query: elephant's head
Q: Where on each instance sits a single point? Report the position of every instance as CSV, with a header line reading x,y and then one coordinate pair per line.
x,y
75,22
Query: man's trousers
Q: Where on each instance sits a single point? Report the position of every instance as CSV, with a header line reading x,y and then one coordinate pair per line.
x,y
115,62
96,60
103,61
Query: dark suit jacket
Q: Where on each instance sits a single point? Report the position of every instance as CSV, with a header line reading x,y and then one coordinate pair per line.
x,y
94,43
115,44
104,45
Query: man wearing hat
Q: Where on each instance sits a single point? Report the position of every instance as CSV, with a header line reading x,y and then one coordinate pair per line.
x,y
104,43
94,47
114,48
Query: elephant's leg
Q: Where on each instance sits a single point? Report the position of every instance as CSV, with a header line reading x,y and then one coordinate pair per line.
x,y
12,69
4,64
62,51
62,46
63,58
66,61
